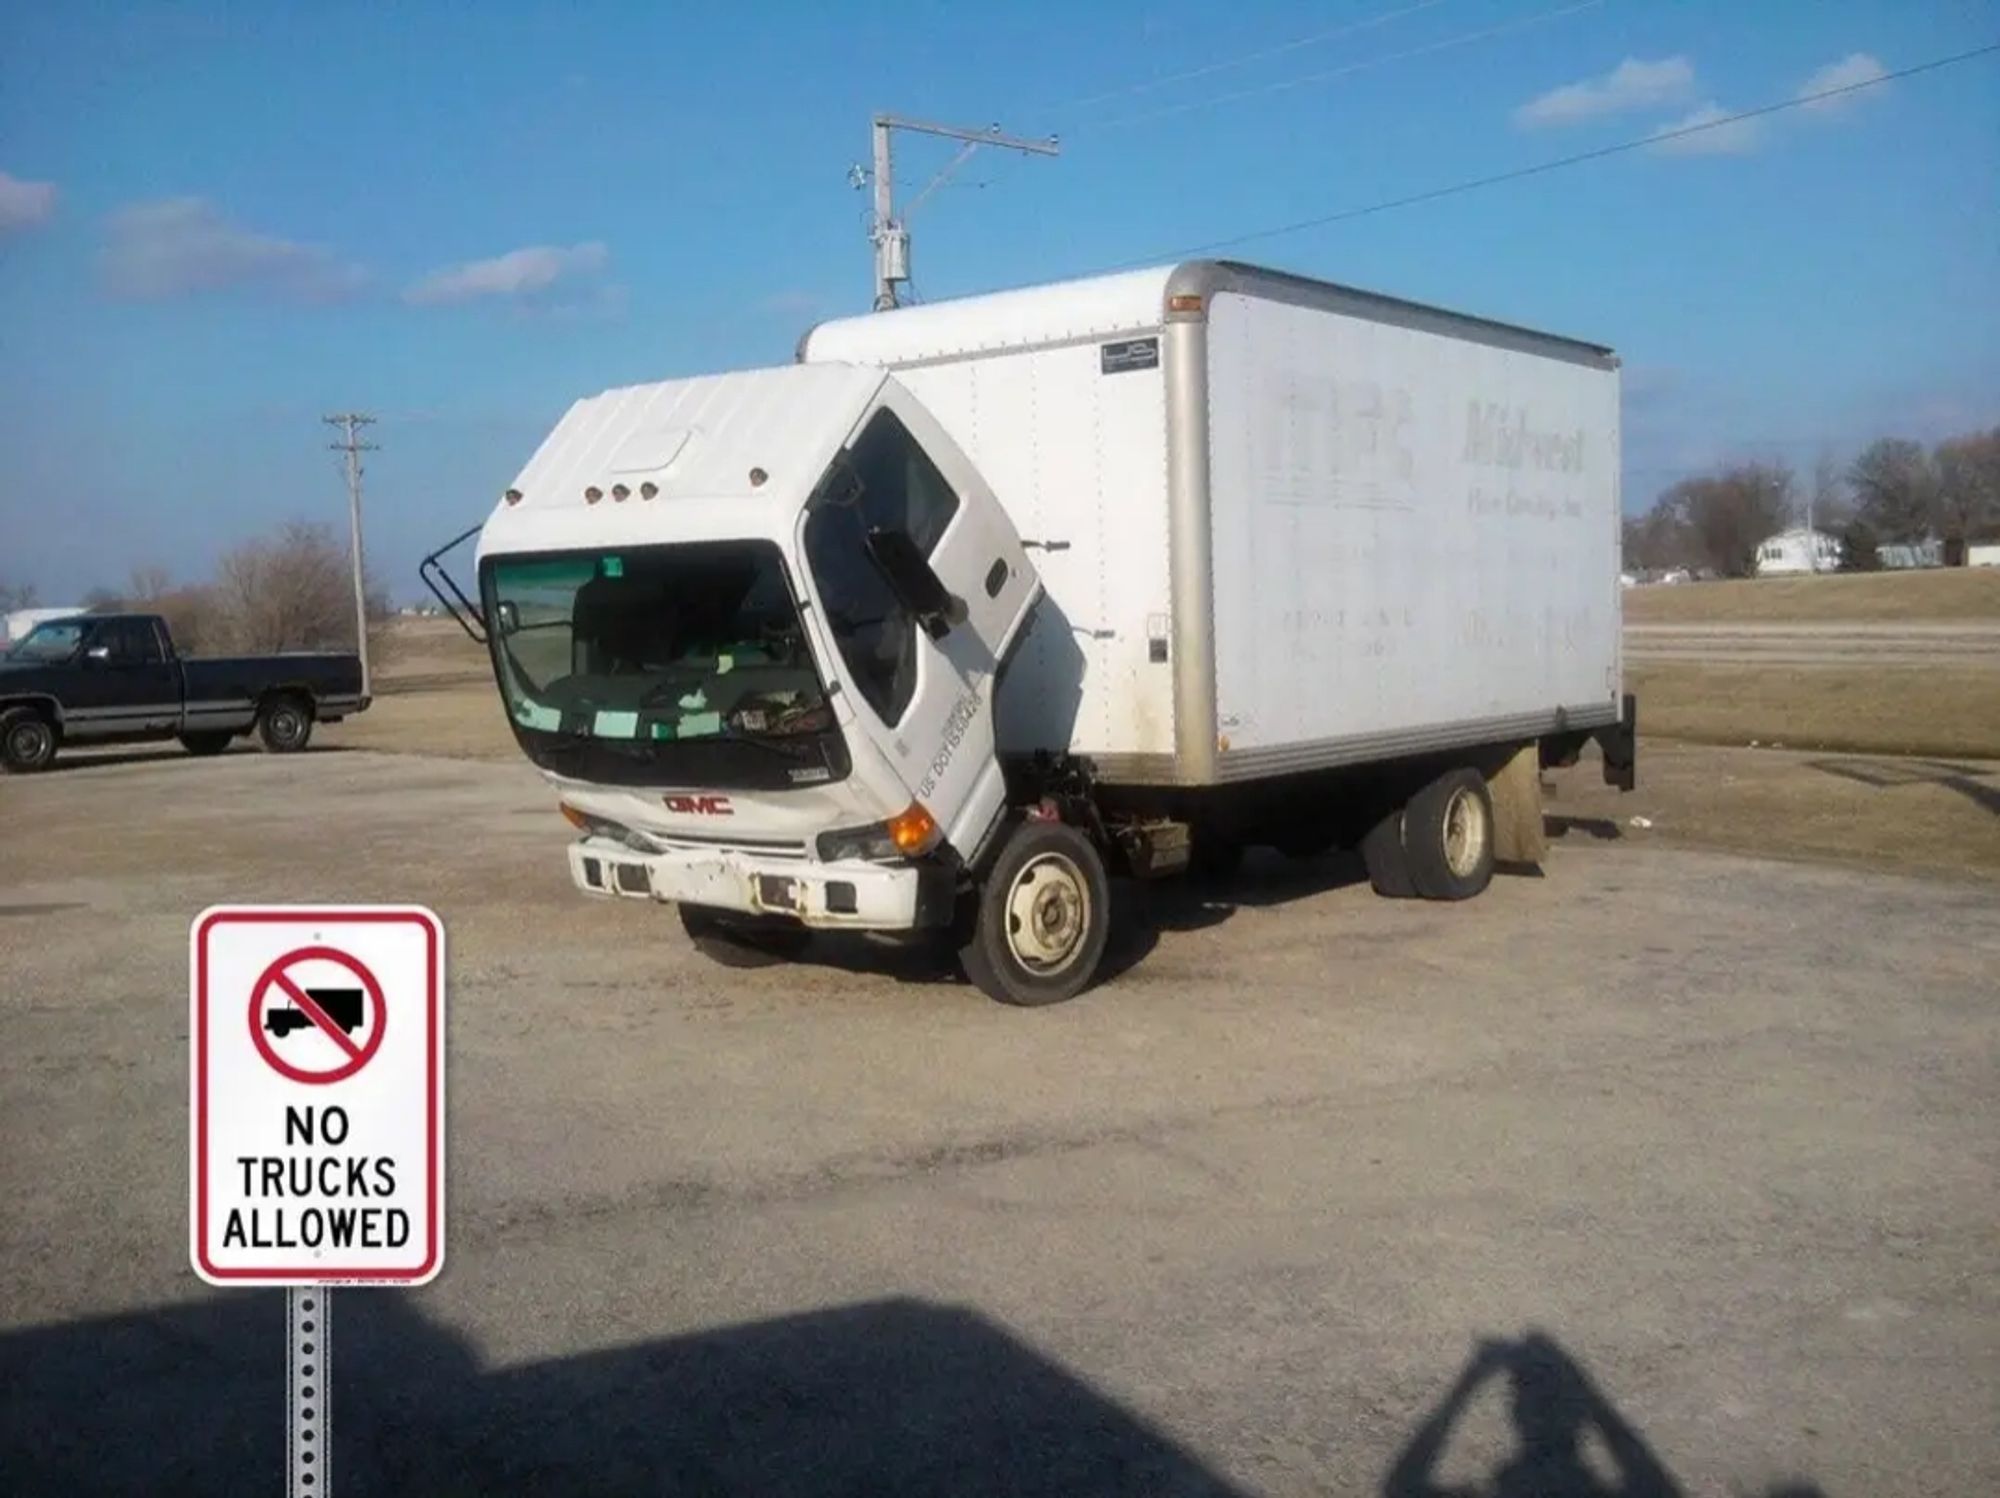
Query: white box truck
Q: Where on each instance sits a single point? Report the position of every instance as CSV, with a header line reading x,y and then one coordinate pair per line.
x,y
981,601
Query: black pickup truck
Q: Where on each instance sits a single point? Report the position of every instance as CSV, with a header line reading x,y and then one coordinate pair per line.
x,y
115,678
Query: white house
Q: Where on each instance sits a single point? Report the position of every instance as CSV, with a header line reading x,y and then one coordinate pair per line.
x,y
1798,550
15,626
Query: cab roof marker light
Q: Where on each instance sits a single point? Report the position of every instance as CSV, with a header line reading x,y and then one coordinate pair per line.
x,y
512,496
620,493
648,489
592,495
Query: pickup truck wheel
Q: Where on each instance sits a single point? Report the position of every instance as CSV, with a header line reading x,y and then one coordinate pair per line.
x,y
206,743
1448,836
745,942
285,725
1043,914
27,741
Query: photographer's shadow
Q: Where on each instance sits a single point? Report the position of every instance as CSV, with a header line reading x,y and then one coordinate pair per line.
x,y
1555,1409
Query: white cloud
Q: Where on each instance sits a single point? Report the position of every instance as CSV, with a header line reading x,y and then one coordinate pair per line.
x,y
1738,138
1855,68
1633,84
519,275
24,205
180,247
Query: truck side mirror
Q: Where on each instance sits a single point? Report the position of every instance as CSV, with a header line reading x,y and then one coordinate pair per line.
x,y
914,582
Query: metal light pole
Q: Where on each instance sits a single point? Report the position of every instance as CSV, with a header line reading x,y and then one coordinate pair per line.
x,y
889,233
350,424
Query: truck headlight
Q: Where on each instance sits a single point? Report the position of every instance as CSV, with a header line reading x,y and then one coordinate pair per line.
x,y
910,832
871,842
592,826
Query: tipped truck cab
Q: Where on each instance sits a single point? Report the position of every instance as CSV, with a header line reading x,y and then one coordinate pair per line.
x,y
749,625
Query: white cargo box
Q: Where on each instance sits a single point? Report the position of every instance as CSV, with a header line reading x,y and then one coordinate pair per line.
x,y
1282,524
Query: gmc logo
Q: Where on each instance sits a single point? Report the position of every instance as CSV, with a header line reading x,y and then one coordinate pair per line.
x,y
700,806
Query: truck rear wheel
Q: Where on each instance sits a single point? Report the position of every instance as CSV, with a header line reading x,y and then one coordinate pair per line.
x,y
1387,863
1448,836
210,742
27,741
743,942
285,725
1042,917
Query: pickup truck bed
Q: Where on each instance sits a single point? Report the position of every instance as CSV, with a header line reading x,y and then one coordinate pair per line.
x,y
116,678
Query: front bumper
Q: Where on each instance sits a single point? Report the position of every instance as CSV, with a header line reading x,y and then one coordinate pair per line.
x,y
847,896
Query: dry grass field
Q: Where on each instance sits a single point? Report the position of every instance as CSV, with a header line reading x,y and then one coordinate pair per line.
x,y
1902,597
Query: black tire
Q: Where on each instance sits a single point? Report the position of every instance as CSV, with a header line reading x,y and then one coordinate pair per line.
x,y
1382,853
206,743
27,741
1448,836
285,724
743,942
1041,920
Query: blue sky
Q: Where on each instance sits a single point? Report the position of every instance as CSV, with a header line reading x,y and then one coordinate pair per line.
x,y
218,222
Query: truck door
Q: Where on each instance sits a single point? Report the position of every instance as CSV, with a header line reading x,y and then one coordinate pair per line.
x,y
901,500
124,683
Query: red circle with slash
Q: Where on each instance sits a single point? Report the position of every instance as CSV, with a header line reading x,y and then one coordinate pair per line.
x,y
277,976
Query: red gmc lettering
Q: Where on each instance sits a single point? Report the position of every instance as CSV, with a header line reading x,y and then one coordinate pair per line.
x,y
700,806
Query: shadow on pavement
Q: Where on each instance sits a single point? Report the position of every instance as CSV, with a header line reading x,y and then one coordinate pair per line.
x,y
1570,1440
885,1397
1141,911
1602,828
1970,781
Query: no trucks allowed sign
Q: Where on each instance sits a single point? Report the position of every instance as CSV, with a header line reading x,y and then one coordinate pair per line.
x,y
316,1095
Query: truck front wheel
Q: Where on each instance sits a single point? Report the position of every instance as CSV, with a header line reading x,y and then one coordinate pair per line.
x,y
1044,912
27,741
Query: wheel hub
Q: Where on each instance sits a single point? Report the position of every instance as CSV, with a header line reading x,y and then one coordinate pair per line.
x,y
1048,911
30,741
1464,834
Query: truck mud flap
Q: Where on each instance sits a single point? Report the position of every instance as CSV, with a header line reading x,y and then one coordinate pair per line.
x,y
1619,744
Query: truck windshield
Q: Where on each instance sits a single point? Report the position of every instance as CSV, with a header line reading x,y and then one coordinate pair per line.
x,y
681,664
47,644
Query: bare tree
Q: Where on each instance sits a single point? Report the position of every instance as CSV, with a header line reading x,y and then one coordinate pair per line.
x,y
1968,486
293,592
1727,514
16,596
1659,539
1895,488
1827,508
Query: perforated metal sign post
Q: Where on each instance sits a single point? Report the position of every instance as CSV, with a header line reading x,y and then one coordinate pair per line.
x,y
316,1117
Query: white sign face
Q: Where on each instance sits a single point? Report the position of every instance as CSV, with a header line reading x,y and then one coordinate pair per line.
x,y
316,1095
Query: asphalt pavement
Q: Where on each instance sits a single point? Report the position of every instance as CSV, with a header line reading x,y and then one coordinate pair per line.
x,y
1669,1171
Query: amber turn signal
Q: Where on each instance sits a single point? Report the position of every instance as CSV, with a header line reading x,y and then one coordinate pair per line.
x,y
574,817
913,830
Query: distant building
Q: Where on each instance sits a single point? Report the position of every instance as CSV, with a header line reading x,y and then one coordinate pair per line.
x,y
1798,550
15,626
1908,556
1983,554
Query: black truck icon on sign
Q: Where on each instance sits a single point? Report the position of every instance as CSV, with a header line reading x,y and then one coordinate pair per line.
x,y
342,1006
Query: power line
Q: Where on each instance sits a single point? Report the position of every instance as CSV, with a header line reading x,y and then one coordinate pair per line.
x,y
1678,133
1367,23
1328,75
